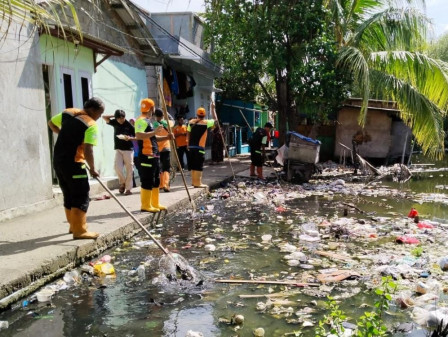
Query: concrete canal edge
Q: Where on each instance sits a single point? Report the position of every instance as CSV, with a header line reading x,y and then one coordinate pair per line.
x,y
56,266
42,251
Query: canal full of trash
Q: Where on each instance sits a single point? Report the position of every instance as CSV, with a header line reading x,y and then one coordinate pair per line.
x,y
338,235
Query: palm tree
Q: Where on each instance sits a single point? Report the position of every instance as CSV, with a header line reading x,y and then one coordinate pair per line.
x,y
381,43
40,14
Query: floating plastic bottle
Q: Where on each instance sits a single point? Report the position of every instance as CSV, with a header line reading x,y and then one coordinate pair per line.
x,y
141,271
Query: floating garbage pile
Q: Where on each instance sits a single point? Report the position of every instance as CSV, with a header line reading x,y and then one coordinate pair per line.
x,y
267,256
346,256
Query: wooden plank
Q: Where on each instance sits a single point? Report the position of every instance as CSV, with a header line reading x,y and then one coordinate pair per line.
x,y
289,282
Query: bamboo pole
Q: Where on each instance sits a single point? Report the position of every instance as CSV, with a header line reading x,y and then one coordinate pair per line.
x,y
288,282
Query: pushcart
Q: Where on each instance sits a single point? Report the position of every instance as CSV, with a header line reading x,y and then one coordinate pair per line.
x,y
301,157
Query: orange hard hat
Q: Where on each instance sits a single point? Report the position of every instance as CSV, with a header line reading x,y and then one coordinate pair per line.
x,y
200,112
146,104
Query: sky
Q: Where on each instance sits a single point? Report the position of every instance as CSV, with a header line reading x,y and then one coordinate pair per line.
x,y
437,10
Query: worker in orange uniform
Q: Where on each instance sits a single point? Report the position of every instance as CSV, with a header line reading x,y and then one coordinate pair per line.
x,y
196,138
77,134
180,136
149,157
164,151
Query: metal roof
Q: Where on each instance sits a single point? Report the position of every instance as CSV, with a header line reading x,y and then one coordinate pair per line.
x,y
128,13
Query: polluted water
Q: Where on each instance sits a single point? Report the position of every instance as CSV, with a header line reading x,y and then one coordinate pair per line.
x,y
259,259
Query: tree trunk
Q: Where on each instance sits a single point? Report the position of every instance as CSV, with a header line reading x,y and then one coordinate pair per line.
x,y
282,106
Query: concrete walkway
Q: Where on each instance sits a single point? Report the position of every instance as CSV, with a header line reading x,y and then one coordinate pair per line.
x,y
36,248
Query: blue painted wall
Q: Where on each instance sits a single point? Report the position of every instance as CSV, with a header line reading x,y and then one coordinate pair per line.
x,y
120,86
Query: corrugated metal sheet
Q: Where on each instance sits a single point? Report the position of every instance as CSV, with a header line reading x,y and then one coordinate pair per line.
x,y
130,15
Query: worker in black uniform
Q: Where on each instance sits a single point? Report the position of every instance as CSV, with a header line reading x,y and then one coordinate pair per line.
x,y
258,143
196,139
77,134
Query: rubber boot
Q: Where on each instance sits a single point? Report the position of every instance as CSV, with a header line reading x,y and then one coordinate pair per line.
x,y
166,179
260,172
193,178
155,199
145,197
162,180
79,223
199,183
68,215
252,171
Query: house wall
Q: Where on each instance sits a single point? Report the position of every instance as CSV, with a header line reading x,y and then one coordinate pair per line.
x,y
378,127
61,56
26,170
120,86
401,135
178,24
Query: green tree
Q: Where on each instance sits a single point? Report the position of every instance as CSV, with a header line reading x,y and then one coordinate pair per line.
x,y
40,15
381,44
275,44
439,48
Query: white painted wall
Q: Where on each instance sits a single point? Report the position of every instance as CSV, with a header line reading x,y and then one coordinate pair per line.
x,y
25,177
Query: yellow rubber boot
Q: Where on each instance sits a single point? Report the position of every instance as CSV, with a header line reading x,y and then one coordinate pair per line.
x,y
193,178
162,180
68,215
79,223
166,179
199,183
155,199
145,197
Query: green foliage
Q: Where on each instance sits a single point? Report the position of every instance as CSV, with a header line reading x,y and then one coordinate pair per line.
x,y
279,53
335,319
37,14
417,251
381,44
370,323
305,56
439,48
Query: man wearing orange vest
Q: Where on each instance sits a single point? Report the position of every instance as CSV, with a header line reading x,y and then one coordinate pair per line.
x,y
77,134
149,157
180,134
164,151
196,138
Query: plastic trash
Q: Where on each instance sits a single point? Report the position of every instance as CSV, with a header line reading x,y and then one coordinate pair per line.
x,y
288,248
443,263
71,277
429,318
210,247
102,269
412,213
44,295
296,256
259,332
424,225
191,333
4,325
407,239
259,196
241,184
309,238
421,288
106,258
266,238
141,271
